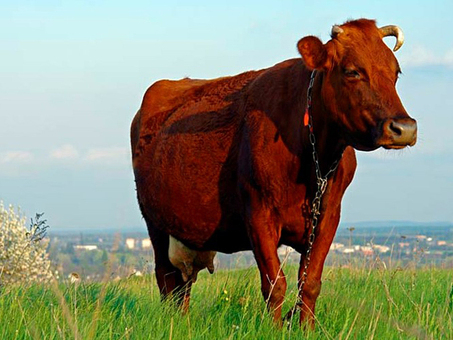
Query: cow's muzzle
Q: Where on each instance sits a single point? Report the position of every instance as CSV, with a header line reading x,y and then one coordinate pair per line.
x,y
397,133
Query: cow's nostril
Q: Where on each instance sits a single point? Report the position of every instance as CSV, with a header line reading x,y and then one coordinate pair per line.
x,y
397,132
396,128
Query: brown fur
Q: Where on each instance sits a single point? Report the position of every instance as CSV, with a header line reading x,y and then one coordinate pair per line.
x,y
226,165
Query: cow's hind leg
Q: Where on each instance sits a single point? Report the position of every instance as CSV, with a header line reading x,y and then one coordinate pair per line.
x,y
169,279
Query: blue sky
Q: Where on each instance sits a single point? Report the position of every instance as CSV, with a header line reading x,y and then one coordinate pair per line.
x,y
74,73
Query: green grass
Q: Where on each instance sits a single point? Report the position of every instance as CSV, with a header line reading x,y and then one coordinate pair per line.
x,y
354,304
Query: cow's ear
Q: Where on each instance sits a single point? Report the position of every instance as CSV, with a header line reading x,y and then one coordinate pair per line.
x,y
314,53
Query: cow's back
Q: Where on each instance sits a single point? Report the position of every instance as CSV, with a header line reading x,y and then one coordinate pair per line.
x,y
159,102
184,144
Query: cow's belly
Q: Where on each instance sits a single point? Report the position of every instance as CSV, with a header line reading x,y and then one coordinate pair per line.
x,y
189,185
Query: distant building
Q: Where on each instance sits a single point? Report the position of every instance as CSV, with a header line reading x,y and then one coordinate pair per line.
x,y
146,243
347,250
381,249
336,246
366,250
284,250
130,243
86,247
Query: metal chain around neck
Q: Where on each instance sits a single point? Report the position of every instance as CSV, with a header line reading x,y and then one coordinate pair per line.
x,y
321,183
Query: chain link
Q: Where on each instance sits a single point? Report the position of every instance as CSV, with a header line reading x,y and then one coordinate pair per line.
x,y
321,182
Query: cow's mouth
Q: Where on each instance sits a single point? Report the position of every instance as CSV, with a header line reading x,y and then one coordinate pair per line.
x,y
399,146
397,133
391,134
394,147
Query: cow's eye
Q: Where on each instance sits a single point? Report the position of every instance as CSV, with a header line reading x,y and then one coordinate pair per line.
x,y
351,73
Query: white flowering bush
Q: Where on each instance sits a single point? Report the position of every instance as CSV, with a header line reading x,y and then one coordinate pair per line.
x,y
23,256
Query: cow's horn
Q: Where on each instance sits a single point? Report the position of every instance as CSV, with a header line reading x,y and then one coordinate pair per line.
x,y
336,30
395,31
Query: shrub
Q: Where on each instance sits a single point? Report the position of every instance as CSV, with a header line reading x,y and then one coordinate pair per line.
x,y
23,256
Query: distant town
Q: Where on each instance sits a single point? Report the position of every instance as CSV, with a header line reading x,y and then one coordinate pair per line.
x,y
97,255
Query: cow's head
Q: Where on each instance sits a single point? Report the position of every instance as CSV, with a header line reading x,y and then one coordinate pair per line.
x,y
358,87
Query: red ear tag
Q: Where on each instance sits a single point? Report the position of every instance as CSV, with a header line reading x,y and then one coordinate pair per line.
x,y
306,117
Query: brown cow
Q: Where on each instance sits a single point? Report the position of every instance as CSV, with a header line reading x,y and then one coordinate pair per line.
x,y
226,164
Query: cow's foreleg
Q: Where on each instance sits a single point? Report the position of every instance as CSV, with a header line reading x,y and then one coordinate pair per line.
x,y
325,233
312,286
264,238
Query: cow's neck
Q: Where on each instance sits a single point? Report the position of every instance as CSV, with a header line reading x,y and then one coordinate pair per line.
x,y
329,145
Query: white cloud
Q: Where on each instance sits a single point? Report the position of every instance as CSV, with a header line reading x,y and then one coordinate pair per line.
x,y
449,57
16,157
66,151
113,154
421,56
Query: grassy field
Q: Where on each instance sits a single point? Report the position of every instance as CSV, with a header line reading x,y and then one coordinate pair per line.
x,y
354,304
